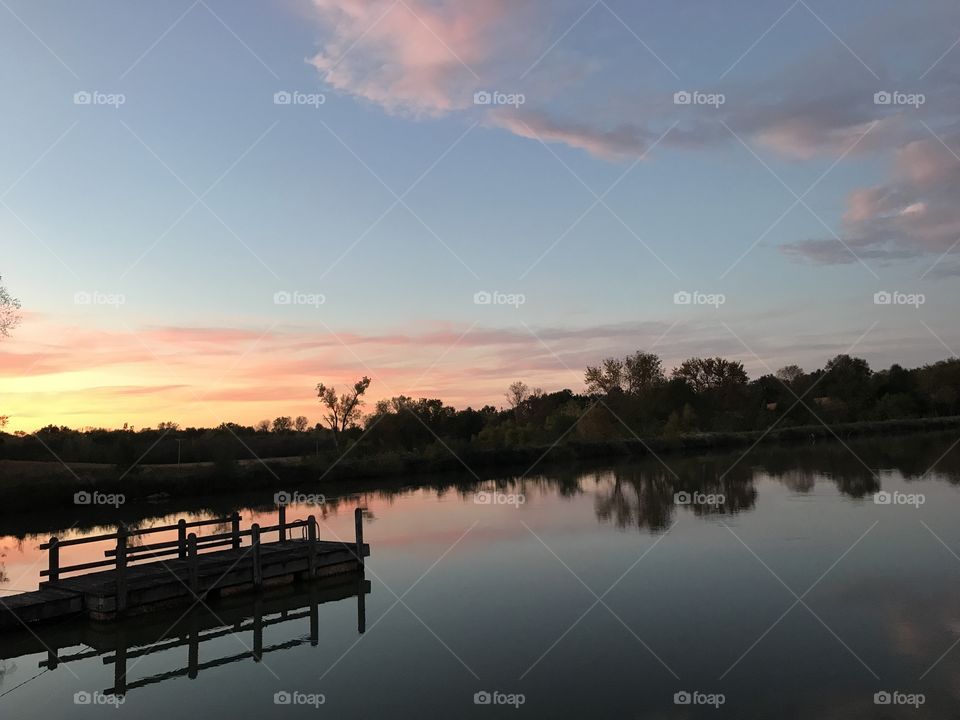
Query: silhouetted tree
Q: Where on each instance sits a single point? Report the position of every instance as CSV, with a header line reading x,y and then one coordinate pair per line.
x,y
642,371
9,311
283,423
301,423
342,410
789,374
9,318
517,393
606,378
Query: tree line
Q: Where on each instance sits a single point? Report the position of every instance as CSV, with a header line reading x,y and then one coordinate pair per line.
x,y
633,396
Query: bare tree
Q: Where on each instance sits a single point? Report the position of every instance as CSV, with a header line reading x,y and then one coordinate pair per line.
x,y
344,409
9,312
517,393
9,318
301,423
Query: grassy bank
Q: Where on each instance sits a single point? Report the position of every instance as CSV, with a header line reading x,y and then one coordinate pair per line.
x,y
26,485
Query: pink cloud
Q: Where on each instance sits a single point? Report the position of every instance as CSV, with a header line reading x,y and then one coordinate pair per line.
x,y
417,56
914,213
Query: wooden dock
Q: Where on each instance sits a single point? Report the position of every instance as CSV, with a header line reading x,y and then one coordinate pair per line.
x,y
141,577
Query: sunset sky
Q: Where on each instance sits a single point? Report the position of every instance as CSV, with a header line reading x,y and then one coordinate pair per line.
x,y
155,233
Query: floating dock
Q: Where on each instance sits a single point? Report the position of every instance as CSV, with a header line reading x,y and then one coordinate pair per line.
x,y
141,577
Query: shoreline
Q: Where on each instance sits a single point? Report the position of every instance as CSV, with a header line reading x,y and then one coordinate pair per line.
x,y
24,484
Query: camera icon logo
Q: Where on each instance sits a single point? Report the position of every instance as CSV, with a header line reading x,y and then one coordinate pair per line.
x,y
282,298
882,698
282,498
882,98
882,498
482,97
82,98
882,297
482,698
82,498
282,698
682,97
82,698
682,498
682,298
282,98
482,298
682,698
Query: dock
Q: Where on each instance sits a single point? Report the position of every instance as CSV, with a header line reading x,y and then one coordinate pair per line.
x,y
137,577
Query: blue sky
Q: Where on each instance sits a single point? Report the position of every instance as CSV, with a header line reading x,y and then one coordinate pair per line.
x,y
102,200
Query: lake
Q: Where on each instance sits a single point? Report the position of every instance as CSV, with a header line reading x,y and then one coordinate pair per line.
x,y
813,581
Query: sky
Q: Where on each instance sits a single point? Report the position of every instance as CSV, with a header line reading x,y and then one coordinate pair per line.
x,y
206,208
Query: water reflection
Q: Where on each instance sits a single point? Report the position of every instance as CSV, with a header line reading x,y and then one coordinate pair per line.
x,y
122,644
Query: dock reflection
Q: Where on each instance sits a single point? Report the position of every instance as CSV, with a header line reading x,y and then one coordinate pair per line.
x,y
242,616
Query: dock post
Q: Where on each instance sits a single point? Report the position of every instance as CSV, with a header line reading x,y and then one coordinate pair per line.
x,y
193,565
54,553
182,538
235,529
358,523
121,572
255,544
311,547
283,522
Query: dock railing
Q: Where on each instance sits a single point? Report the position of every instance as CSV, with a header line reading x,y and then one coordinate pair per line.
x,y
188,547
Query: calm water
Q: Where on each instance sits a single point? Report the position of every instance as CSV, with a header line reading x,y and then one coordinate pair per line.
x,y
582,592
